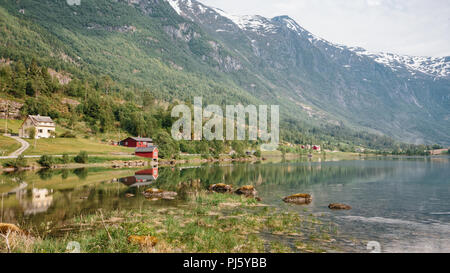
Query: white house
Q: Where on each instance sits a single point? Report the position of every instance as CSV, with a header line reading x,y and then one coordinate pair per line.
x,y
44,127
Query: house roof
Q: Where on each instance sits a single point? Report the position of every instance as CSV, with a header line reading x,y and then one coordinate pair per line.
x,y
146,149
141,139
39,121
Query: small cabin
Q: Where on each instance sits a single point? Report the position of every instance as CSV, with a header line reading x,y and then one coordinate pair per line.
x,y
44,127
316,148
147,152
136,142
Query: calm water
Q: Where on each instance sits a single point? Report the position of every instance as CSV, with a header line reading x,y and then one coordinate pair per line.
x,y
402,204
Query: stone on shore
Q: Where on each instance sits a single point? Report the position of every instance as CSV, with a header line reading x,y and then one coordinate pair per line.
x,y
339,207
299,199
159,194
4,228
221,188
248,191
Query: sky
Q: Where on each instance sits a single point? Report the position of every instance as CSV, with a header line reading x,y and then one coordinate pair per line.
x,y
408,27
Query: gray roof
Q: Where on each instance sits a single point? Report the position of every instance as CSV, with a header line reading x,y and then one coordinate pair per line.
x,y
142,139
41,119
146,150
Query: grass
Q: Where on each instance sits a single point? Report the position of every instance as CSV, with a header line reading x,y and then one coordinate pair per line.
x,y
58,146
8,145
13,125
204,223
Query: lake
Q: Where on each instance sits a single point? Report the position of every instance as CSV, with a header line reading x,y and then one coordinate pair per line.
x,y
401,205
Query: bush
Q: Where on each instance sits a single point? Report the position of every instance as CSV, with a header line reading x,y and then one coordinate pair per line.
x,y
258,153
67,134
19,162
65,158
82,157
46,161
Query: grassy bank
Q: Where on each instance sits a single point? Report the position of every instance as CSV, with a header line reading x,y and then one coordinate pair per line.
x,y
8,145
204,222
58,146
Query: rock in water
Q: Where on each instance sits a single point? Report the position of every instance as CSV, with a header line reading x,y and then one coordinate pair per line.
x,y
248,191
159,194
129,195
143,240
221,188
339,207
4,228
299,199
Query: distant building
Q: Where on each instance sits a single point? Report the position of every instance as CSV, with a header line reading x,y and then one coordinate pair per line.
x,y
44,127
136,142
316,148
147,152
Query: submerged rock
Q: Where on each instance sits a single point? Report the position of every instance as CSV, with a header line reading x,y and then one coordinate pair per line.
x,y
143,240
4,228
248,191
339,207
300,199
221,188
159,194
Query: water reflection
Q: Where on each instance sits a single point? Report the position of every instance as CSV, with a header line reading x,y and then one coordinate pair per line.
x,y
141,178
414,190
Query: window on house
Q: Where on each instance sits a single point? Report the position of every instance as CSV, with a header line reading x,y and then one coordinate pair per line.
x,y
40,131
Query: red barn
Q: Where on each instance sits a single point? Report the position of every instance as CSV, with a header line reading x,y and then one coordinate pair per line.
x,y
316,148
148,152
136,142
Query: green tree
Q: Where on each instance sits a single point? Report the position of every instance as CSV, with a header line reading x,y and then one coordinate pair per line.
x,y
46,161
82,157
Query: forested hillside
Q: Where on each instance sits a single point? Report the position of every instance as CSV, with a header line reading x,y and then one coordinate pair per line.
x,y
125,64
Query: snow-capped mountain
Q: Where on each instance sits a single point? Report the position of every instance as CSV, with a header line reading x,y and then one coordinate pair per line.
x,y
402,96
432,66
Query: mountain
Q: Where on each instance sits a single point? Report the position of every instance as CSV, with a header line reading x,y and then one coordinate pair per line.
x,y
180,49
401,96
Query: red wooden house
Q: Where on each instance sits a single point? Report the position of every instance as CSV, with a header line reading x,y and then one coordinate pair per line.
x,y
147,152
136,142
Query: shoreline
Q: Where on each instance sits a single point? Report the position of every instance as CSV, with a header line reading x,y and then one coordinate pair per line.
x,y
134,162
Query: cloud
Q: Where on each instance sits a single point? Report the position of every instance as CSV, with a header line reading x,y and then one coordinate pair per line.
x,y
413,27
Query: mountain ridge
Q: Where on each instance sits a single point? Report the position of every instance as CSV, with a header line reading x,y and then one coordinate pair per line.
x,y
434,66
146,45
350,84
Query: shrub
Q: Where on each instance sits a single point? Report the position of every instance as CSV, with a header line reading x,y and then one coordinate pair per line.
x,y
46,161
65,158
19,162
82,157
31,133
67,134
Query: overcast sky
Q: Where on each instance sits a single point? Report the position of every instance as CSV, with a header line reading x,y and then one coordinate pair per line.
x,y
413,27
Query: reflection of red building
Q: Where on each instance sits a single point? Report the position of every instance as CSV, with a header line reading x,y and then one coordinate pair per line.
x,y
141,178
148,152
135,142
146,174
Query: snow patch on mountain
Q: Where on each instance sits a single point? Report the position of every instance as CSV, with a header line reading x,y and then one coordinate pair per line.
x,y
433,66
175,5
